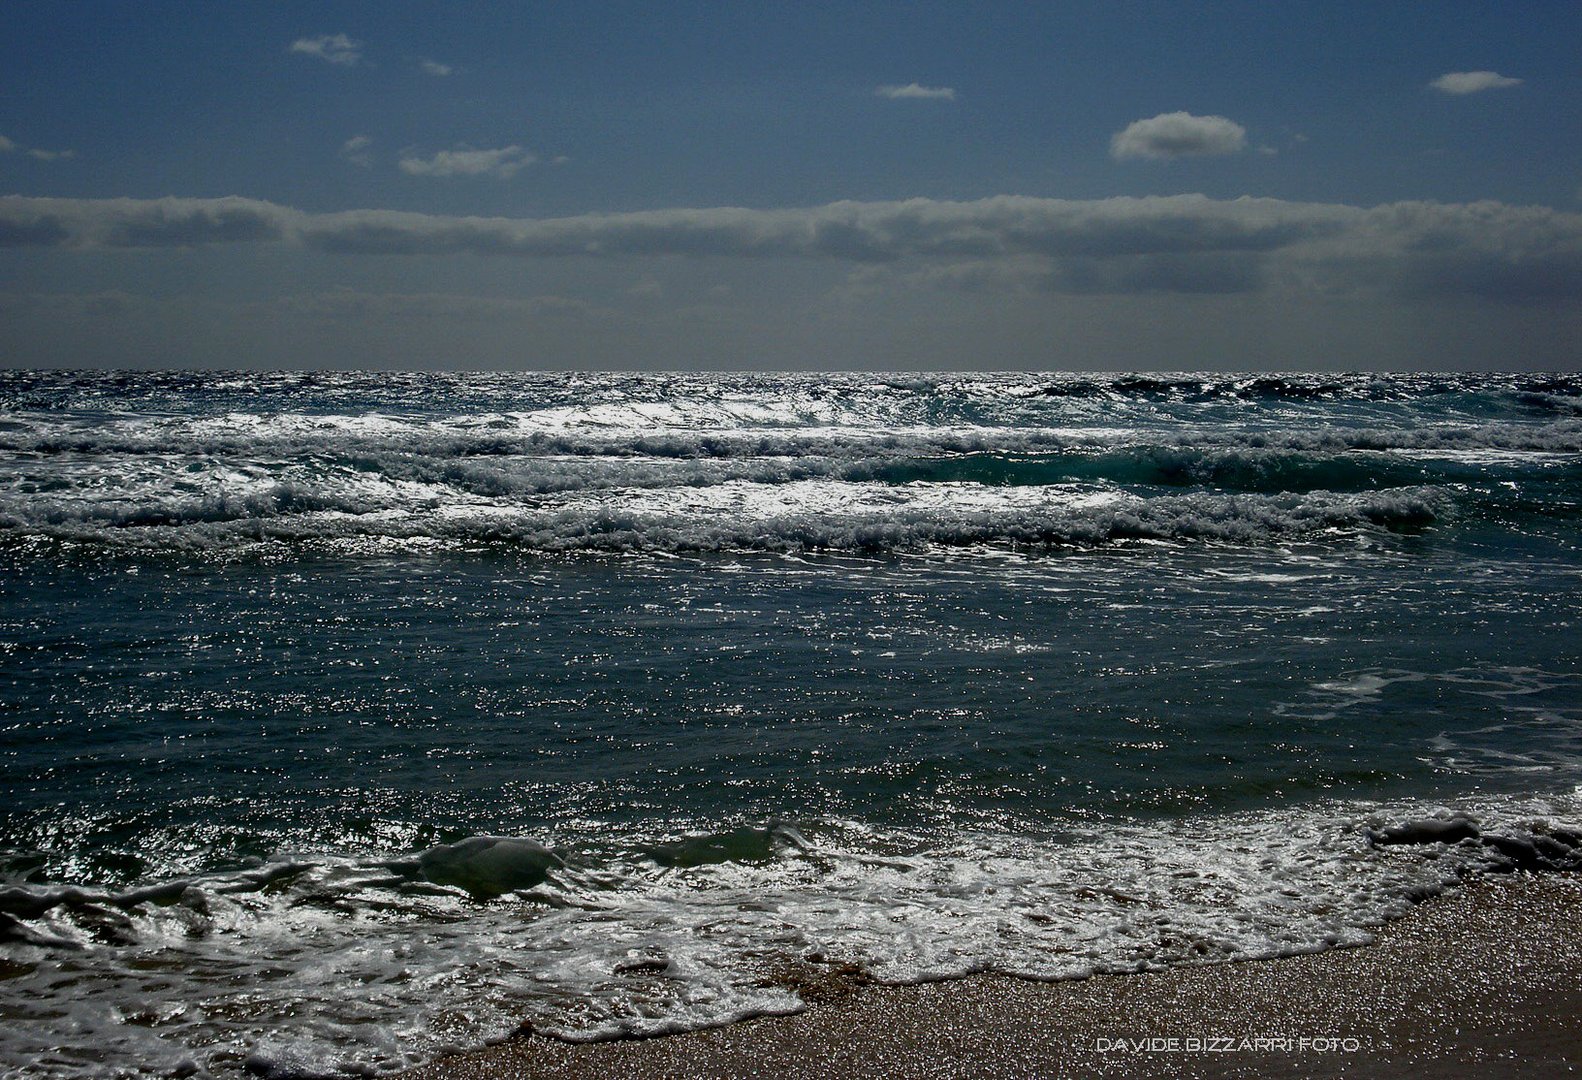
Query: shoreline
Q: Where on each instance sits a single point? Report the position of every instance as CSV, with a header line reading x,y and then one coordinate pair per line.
x,y
1484,980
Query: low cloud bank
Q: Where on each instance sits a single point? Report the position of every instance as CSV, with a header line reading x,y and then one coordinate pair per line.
x,y
1181,243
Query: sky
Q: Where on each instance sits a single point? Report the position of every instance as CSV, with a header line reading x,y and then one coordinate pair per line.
x,y
1061,186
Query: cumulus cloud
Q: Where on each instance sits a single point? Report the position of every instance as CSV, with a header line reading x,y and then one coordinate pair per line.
x,y
1472,82
502,163
435,68
331,48
1180,244
1178,134
356,150
917,92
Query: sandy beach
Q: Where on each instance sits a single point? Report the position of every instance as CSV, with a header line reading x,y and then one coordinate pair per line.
x,y
1483,981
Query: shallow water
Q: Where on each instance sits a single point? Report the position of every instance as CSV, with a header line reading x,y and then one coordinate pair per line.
x,y
351,718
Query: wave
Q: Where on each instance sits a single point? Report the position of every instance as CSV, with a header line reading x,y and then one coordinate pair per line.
x,y
37,486
715,436
1310,387
775,463
368,965
1245,470
808,516
141,389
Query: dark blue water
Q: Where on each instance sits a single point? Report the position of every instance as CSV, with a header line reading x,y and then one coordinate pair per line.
x,y
439,701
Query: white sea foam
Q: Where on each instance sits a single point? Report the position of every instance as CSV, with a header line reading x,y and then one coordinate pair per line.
x,y
701,464
795,515
373,953
708,431
347,967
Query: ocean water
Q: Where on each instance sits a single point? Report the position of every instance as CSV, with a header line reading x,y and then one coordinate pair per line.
x,y
350,719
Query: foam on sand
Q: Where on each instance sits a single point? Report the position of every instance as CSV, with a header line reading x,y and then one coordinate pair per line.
x,y
1483,981
458,944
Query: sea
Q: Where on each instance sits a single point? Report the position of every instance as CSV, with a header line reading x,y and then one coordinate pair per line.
x,y
348,720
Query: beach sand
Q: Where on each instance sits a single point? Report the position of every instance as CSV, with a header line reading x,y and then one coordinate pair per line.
x,y
1484,981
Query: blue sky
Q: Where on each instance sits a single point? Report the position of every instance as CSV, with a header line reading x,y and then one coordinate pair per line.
x,y
1397,218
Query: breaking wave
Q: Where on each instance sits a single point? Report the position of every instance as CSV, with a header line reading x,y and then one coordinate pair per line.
x,y
464,942
773,463
797,516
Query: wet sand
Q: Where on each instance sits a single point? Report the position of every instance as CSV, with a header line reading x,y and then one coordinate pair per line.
x,y
1486,981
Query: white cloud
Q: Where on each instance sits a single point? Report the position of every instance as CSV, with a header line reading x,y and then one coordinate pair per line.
x,y
140,223
356,150
332,48
1178,134
502,163
1180,244
435,68
1472,82
917,92
7,146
